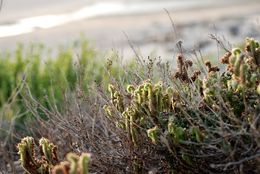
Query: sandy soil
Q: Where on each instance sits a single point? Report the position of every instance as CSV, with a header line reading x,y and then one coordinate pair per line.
x,y
151,32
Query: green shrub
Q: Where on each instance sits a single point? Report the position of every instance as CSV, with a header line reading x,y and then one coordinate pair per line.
x,y
204,121
196,120
38,73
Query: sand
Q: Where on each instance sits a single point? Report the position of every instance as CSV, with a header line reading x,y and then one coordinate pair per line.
x,y
153,32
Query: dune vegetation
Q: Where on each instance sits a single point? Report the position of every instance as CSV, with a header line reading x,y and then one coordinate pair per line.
x,y
78,112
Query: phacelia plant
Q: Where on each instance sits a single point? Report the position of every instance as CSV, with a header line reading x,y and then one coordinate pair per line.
x,y
29,159
47,162
201,122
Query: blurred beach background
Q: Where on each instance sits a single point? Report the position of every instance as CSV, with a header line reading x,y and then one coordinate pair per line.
x,y
112,24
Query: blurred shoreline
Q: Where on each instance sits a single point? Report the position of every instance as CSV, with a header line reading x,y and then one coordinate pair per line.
x,y
151,31
24,24
13,10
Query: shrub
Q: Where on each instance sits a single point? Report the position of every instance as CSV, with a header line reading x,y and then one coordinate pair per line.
x,y
199,119
202,122
36,81
46,76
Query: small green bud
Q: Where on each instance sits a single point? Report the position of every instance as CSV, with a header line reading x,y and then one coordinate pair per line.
x,y
158,98
148,86
84,162
107,109
232,84
195,132
186,158
158,85
111,88
238,64
240,88
236,51
130,88
179,134
139,98
232,60
253,78
153,133
73,159
169,91
120,125
116,94
258,89
171,128
142,121
243,73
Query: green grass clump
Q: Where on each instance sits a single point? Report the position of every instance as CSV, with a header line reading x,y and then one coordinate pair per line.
x,y
38,73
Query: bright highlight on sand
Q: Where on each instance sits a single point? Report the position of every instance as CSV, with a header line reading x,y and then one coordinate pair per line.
x,y
29,25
